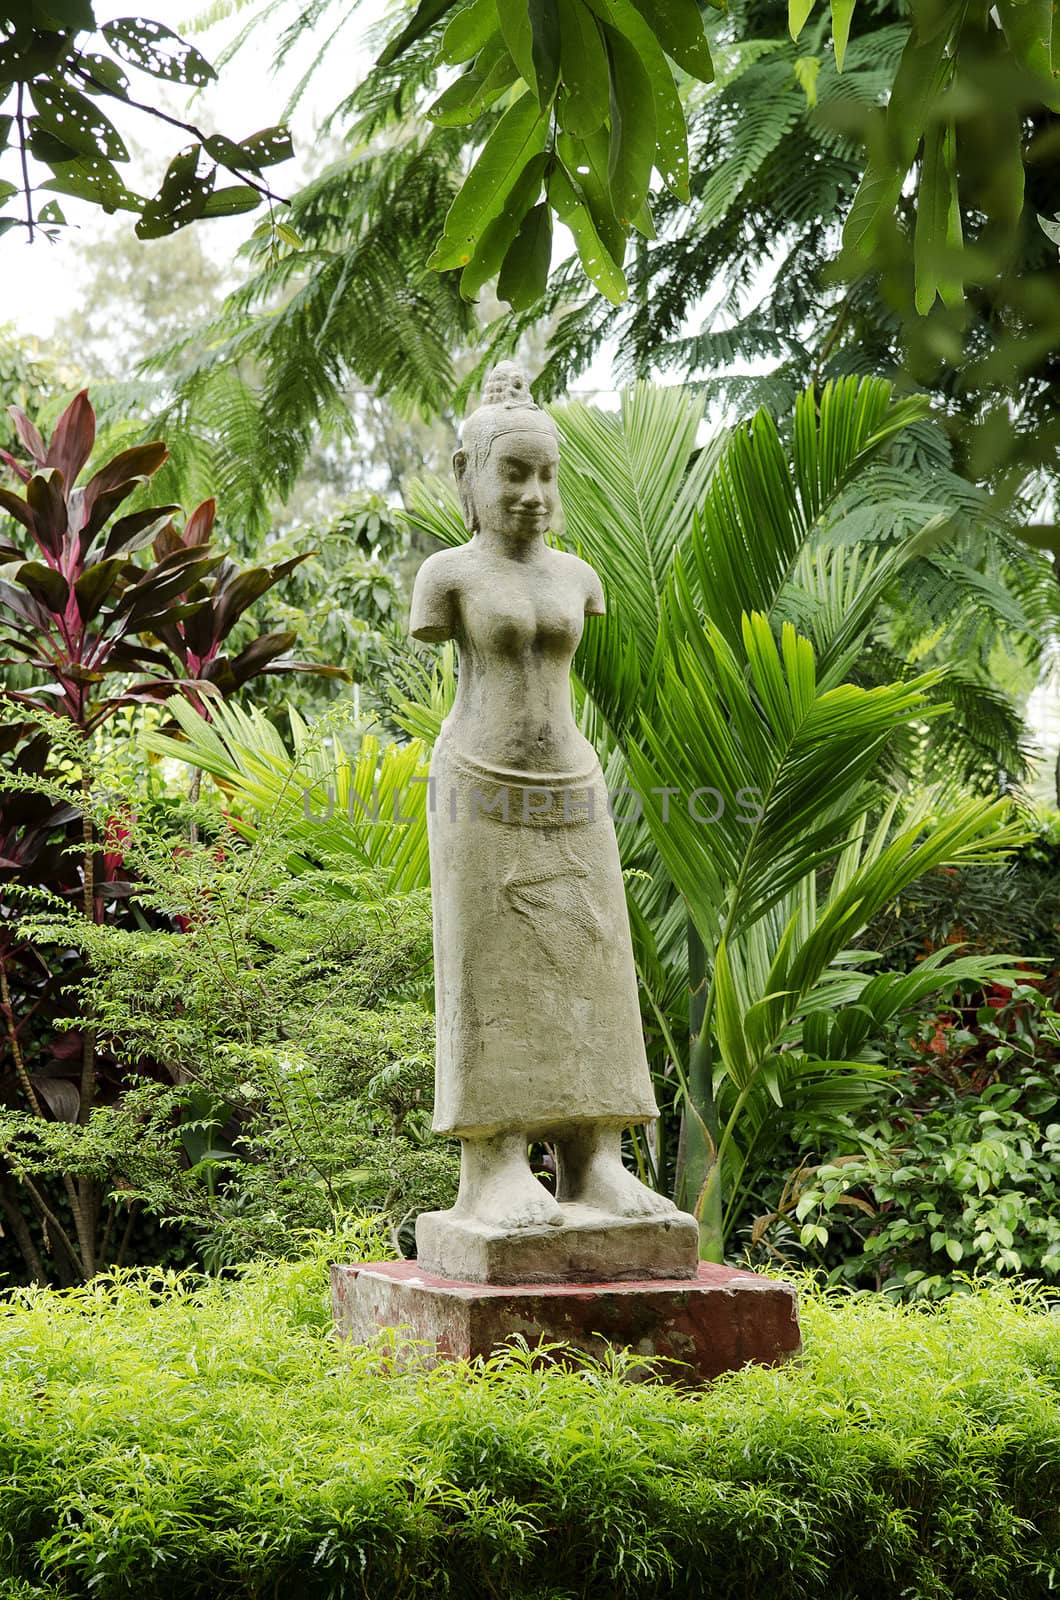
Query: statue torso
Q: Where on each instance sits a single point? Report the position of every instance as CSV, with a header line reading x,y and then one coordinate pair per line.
x,y
517,628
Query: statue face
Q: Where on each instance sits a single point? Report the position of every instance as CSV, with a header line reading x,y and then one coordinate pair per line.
x,y
514,493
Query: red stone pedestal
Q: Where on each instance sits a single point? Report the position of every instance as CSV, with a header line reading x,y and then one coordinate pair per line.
x,y
720,1320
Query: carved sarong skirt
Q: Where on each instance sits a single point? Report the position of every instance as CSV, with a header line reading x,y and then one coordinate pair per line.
x,y
538,1020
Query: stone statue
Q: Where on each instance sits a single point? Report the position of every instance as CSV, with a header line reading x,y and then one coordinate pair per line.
x,y
538,1021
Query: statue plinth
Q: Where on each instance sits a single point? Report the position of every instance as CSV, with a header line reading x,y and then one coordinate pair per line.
x,y
588,1246
692,1330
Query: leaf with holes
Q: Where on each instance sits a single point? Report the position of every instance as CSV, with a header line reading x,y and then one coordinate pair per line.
x,y
93,178
265,148
157,50
181,198
72,117
100,75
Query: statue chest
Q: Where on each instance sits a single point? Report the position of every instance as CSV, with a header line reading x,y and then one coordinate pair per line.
x,y
499,621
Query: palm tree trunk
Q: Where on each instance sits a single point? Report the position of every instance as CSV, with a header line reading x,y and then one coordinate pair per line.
x,y
700,1122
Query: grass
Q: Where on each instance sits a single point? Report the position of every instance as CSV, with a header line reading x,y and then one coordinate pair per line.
x,y
162,1436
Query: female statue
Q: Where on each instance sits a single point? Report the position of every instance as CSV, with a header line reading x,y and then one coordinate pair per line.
x,y
539,1031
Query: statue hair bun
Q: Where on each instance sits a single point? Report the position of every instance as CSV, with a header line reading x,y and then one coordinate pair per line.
x,y
507,386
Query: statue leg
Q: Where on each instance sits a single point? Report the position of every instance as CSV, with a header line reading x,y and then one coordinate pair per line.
x,y
497,1186
591,1172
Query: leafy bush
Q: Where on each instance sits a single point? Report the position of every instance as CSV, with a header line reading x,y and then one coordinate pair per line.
x,y
960,1176
162,1436
277,1052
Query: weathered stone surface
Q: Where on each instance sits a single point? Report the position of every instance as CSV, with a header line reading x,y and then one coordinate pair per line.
x,y
721,1320
588,1247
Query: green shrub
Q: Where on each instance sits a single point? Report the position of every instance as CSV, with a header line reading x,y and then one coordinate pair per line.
x,y
165,1436
960,1177
277,1053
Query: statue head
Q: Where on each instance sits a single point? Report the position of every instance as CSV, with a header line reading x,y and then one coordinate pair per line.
x,y
508,456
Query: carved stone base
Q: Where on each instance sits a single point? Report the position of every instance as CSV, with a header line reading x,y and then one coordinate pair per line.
x,y
589,1247
721,1320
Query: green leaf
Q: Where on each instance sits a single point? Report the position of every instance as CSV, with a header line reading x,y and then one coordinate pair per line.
x,y
1030,28
524,272
230,202
640,45
47,148
492,71
265,149
842,11
806,69
72,16
181,199
678,26
498,236
427,13
156,49
105,76
938,221
93,178
72,117
644,222
584,102
44,583
6,189
728,1020
586,164
632,128
520,134
798,14
572,210
518,36
544,28
922,71
469,31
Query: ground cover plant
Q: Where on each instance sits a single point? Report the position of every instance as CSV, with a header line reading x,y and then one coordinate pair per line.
x,y
165,1435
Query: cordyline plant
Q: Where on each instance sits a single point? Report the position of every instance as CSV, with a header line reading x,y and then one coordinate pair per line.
x,y
104,610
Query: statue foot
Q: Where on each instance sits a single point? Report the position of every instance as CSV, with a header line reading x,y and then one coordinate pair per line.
x,y
593,1174
498,1189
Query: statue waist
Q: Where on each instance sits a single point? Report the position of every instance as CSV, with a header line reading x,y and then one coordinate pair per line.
x,y
464,787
